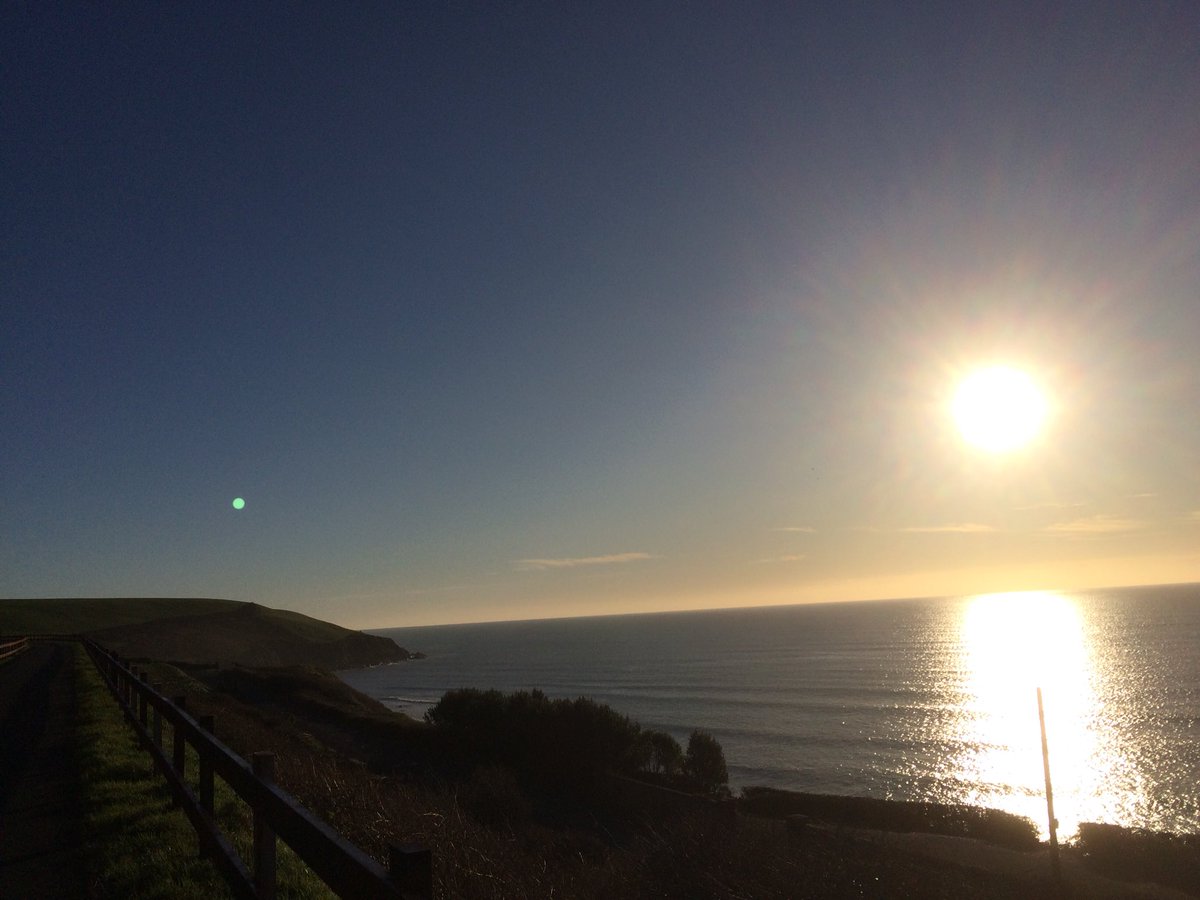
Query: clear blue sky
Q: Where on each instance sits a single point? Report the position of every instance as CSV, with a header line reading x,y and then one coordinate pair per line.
x,y
529,309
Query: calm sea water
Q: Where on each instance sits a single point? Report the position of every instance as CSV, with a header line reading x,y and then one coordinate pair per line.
x,y
905,699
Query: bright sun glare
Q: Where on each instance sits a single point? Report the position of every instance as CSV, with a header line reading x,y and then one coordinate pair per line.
x,y
1014,644
999,409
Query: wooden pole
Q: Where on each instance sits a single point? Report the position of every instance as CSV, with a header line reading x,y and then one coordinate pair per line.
x,y
178,748
411,868
1055,866
156,716
143,680
206,767
263,765
204,788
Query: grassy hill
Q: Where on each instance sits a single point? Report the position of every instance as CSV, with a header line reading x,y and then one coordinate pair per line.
x,y
201,631
81,616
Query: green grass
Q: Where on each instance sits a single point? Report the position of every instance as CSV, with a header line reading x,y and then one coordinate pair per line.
x,y
85,615
200,631
138,845
62,616
303,627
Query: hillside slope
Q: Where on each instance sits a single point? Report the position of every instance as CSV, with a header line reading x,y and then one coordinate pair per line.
x,y
202,631
82,615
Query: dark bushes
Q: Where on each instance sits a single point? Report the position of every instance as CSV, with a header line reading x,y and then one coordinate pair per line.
x,y
991,825
533,733
570,742
1137,853
705,763
665,756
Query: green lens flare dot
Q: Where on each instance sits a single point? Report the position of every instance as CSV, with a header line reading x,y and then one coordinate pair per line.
x,y
238,502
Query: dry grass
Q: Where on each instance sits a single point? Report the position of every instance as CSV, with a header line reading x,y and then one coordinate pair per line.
x,y
492,838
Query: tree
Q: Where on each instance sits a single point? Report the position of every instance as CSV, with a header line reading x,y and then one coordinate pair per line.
x,y
666,756
705,762
555,739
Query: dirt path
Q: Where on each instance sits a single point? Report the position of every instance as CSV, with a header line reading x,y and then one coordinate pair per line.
x,y
40,820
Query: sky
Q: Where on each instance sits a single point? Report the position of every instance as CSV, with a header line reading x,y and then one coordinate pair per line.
x,y
519,310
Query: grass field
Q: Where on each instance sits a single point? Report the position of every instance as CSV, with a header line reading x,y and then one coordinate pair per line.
x,y
200,631
137,844
74,616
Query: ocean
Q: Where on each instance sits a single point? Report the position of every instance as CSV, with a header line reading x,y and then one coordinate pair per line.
x,y
930,699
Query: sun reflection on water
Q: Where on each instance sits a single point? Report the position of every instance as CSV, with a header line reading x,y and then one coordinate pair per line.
x,y
1013,644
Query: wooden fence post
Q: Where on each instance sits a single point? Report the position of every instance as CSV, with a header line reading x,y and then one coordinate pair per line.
x,y
144,679
263,765
205,777
178,747
206,768
345,868
156,716
411,868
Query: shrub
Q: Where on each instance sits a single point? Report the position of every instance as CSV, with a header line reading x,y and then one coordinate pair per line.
x,y
494,797
705,763
556,740
664,755
570,742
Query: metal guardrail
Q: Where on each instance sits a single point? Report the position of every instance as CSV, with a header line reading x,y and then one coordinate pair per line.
x,y
347,871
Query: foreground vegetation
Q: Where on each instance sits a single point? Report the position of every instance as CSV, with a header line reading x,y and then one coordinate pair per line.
x,y
992,825
201,630
78,616
572,744
516,796
380,778
137,843
495,834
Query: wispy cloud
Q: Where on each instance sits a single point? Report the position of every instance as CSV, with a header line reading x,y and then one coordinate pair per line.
x,y
1050,504
1098,524
797,529
792,557
952,528
962,528
443,589
571,562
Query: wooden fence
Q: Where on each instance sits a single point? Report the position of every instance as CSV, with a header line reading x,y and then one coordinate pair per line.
x,y
343,867
10,648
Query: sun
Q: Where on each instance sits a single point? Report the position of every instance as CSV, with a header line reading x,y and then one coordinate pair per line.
x,y
999,409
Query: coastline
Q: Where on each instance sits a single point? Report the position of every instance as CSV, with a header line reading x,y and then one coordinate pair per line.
x,y
901,699
925,850
382,776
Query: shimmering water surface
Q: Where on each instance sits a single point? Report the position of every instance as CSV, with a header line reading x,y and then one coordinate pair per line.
x,y
907,699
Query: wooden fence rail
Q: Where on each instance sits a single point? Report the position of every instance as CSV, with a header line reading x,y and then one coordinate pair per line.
x,y
347,871
10,648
